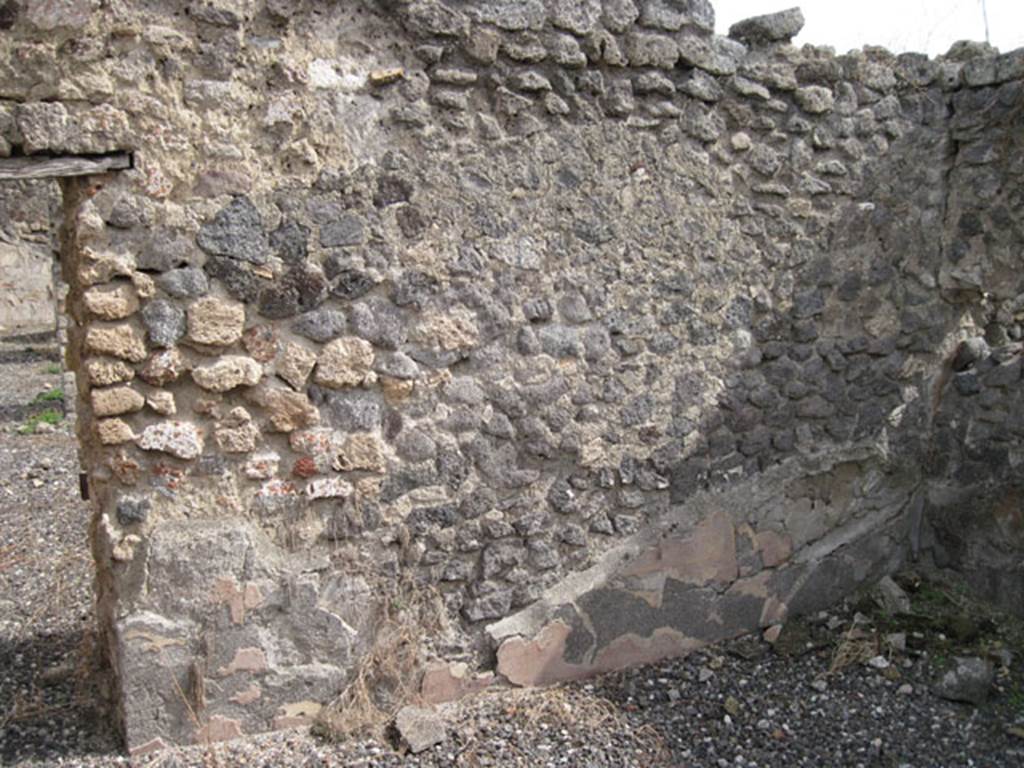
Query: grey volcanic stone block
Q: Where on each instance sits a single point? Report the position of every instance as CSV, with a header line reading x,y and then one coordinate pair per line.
x,y
237,278
577,16
184,283
236,231
673,15
969,681
770,28
348,411
321,325
420,729
346,231
164,322
131,510
164,250
303,287
290,241
351,284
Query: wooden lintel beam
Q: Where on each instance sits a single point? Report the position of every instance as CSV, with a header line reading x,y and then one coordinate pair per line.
x,y
18,168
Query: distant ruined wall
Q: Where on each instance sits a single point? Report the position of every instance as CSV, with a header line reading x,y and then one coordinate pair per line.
x,y
28,212
622,336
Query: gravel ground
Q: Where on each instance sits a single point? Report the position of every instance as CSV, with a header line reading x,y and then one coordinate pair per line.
x,y
29,369
828,692
45,573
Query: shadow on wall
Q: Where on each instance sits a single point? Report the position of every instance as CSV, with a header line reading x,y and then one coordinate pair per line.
x,y
853,433
974,508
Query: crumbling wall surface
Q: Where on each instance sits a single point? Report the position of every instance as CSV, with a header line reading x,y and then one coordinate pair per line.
x,y
619,336
28,210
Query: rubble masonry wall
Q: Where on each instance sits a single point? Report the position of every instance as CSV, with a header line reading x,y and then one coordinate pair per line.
x,y
619,336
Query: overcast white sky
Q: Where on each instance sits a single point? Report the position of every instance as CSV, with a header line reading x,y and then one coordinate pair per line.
x,y
928,26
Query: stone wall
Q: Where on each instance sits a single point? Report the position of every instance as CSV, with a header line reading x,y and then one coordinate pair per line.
x,y
618,336
28,298
972,516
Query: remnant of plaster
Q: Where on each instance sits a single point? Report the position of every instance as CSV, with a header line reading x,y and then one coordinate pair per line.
x,y
239,599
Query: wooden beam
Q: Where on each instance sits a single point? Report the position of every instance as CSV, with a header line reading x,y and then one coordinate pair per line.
x,y
17,168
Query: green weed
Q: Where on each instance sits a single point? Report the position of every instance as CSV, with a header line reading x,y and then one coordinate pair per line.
x,y
50,396
49,416
1016,699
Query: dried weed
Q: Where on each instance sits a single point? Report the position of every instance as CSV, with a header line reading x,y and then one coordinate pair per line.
x,y
388,674
857,646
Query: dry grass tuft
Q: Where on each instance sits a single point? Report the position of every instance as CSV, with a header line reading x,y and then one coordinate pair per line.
x,y
857,646
389,673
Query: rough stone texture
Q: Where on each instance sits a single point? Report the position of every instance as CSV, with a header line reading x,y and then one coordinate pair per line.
x,y
184,283
770,28
295,365
237,433
162,402
237,232
113,432
103,373
227,373
345,363
164,322
815,99
26,285
111,302
321,325
329,488
177,438
215,321
627,337
361,453
121,341
286,410
163,367
970,680
420,729
116,401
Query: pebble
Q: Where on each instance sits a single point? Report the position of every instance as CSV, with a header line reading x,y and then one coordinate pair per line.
x,y
732,706
897,641
1002,656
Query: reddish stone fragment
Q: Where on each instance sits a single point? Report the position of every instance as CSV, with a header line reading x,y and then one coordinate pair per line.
x,y
304,467
260,342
